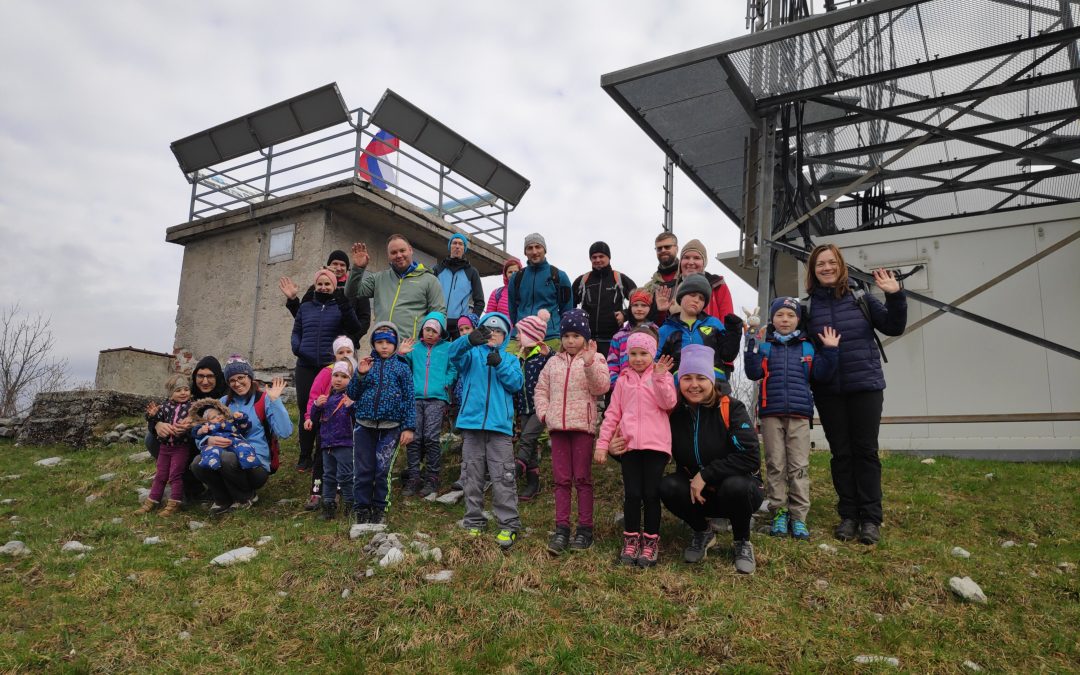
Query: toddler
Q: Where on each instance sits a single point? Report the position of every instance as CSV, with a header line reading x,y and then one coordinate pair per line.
x,y
174,450
334,412
343,351
640,304
219,421
534,355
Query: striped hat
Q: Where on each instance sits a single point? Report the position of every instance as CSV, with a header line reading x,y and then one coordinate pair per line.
x,y
532,329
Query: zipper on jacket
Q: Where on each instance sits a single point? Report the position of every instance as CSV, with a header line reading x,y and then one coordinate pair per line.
x,y
450,293
566,391
487,399
378,386
393,305
697,451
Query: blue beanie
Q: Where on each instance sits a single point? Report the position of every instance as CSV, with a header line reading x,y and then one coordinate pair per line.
x,y
785,302
575,321
384,330
463,238
236,365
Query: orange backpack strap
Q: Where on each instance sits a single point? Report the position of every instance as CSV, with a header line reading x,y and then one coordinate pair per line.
x,y
725,411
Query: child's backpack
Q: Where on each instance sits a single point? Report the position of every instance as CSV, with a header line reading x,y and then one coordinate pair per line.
x,y
860,300
807,356
271,439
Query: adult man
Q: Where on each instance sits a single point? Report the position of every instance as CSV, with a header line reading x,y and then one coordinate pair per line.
x,y
540,285
402,294
663,282
460,284
338,264
603,293
692,261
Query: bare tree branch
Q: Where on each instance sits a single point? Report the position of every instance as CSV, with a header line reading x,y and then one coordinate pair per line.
x,y
26,363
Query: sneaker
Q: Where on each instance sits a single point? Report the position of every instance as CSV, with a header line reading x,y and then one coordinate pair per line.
x,y
220,509
506,539
631,548
699,546
799,531
314,503
869,533
559,540
744,557
650,550
362,513
779,524
583,539
412,487
845,531
475,531
377,517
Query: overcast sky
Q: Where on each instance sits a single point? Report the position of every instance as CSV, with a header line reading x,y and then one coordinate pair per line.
x,y
93,93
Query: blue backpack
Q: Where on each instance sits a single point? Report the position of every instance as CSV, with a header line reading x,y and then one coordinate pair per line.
x,y
807,356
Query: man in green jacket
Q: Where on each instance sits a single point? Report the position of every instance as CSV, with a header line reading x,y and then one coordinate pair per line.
x,y
402,294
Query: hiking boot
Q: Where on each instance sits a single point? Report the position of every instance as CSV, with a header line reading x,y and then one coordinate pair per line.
x,y
377,517
171,507
583,539
650,550
328,509
314,503
520,468
362,513
303,465
456,487
220,509
869,533
845,531
744,557
428,487
799,531
699,546
532,485
631,548
147,506
559,540
412,487
779,524
506,539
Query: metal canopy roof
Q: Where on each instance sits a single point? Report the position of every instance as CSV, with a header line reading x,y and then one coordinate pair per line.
x,y
933,120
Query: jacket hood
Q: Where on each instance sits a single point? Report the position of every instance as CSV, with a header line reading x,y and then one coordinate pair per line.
x,y
198,407
383,325
219,377
506,265
487,315
438,316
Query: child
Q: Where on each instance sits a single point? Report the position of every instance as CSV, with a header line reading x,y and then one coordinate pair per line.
x,y
218,421
433,376
174,450
334,412
343,351
565,400
692,326
644,397
534,355
466,324
385,413
487,423
640,303
785,361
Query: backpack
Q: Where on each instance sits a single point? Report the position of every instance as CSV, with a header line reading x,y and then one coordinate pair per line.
x,y
807,355
618,286
271,439
560,292
860,300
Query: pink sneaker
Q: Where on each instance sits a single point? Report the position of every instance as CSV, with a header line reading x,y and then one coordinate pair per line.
x,y
650,550
631,549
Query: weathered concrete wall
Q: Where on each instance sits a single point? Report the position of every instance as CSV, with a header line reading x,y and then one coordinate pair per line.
x,y
133,371
74,417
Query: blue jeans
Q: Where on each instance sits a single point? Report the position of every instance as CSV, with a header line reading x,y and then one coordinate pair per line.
x,y
373,455
425,448
337,473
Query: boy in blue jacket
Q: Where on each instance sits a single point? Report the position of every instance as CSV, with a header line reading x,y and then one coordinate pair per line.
x,y
385,414
785,361
491,378
433,376
693,326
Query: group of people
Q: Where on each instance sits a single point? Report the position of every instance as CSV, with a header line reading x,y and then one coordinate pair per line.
x,y
608,369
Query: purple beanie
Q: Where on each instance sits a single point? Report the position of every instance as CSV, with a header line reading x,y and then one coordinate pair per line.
x,y
697,360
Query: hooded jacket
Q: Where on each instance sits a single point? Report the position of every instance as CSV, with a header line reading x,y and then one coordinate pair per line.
x,y
701,442
706,330
617,354
335,421
535,291
317,324
531,366
433,374
602,293
639,408
384,394
499,300
399,298
461,287
487,399
785,387
277,418
566,392
221,387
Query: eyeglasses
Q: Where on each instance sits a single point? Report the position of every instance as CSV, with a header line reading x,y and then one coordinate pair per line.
x,y
666,247
204,377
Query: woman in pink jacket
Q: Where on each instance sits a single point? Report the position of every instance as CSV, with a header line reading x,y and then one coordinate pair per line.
x,y
644,397
499,300
565,401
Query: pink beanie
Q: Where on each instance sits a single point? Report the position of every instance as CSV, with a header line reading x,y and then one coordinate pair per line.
x,y
532,329
342,367
342,341
326,273
641,340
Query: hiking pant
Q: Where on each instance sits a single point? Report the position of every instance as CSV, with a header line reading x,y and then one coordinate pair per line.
x,y
374,451
231,484
528,452
172,460
495,452
571,464
193,487
303,378
641,474
337,474
425,448
851,423
736,498
787,464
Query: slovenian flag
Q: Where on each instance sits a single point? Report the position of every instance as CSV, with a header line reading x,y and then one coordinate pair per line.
x,y
373,166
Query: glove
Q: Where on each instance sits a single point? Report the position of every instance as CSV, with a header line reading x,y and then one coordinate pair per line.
x,y
479,336
733,323
340,299
494,359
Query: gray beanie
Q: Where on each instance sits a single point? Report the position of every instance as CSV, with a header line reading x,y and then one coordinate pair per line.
x,y
535,238
695,283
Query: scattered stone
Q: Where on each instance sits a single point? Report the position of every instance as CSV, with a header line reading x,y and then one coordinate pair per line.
x,y
1008,544
184,635
873,658
14,519
360,529
75,547
369,572
967,589
1066,567
119,428
15,549
139,456
49,461
195,525
131,437
7,502
764,508
117,521
11,476
827,548
440,577
78,557
451,497
132,577
973,667
393,557
143,493
237,555
285,502
434,554
989,476
928,460
959,552
282,594
111,437
421,535
106,477
1057,570
90,499
264,540
821,584
1033,574
345,594
431,496
151,541
879,617
419,546
1032,544
179,561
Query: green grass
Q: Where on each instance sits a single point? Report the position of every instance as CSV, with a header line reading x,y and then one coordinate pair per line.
x,y
122,607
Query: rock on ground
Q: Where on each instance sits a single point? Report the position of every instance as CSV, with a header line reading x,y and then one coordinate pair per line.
x,y
1066,566
90,499
440,577
973,667
821,584
151,541
106,477
184,635
450,497
827,548
360,529
393,557
139,456
15,549
928,460
195,525
7,502
873,658
237,555
49,461
264,540
75,547
345,594
1008,543
143,493
117,521
959,552
967,589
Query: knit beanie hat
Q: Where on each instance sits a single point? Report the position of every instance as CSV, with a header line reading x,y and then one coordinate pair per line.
x,y
237,365
695,283
785,302
575,321
697,360
384,330
532,329
695,245
535,238
496,321
341,341
469,319
434,325
463,238
600,247
640,295
326,273
641,340
338,255
342,367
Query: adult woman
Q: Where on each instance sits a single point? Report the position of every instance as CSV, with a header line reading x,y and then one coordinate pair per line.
x,y
692,260
717,466
231,486
850,405
320,319
499,301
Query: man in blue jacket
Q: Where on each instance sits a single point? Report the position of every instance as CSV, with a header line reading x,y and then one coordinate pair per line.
x,y
539,286
460,284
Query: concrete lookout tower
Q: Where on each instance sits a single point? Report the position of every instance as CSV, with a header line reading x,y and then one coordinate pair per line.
x,y
273,192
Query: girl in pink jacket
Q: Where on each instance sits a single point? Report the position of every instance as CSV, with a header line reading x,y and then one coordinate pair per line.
x,y
565,401
644,397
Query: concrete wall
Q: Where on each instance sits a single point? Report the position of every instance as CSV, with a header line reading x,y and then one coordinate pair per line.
x,y
133,371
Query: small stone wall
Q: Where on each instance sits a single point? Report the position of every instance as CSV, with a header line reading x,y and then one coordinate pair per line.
x,y
74,417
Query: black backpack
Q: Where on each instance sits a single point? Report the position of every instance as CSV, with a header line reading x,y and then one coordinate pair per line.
x,y
560,292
